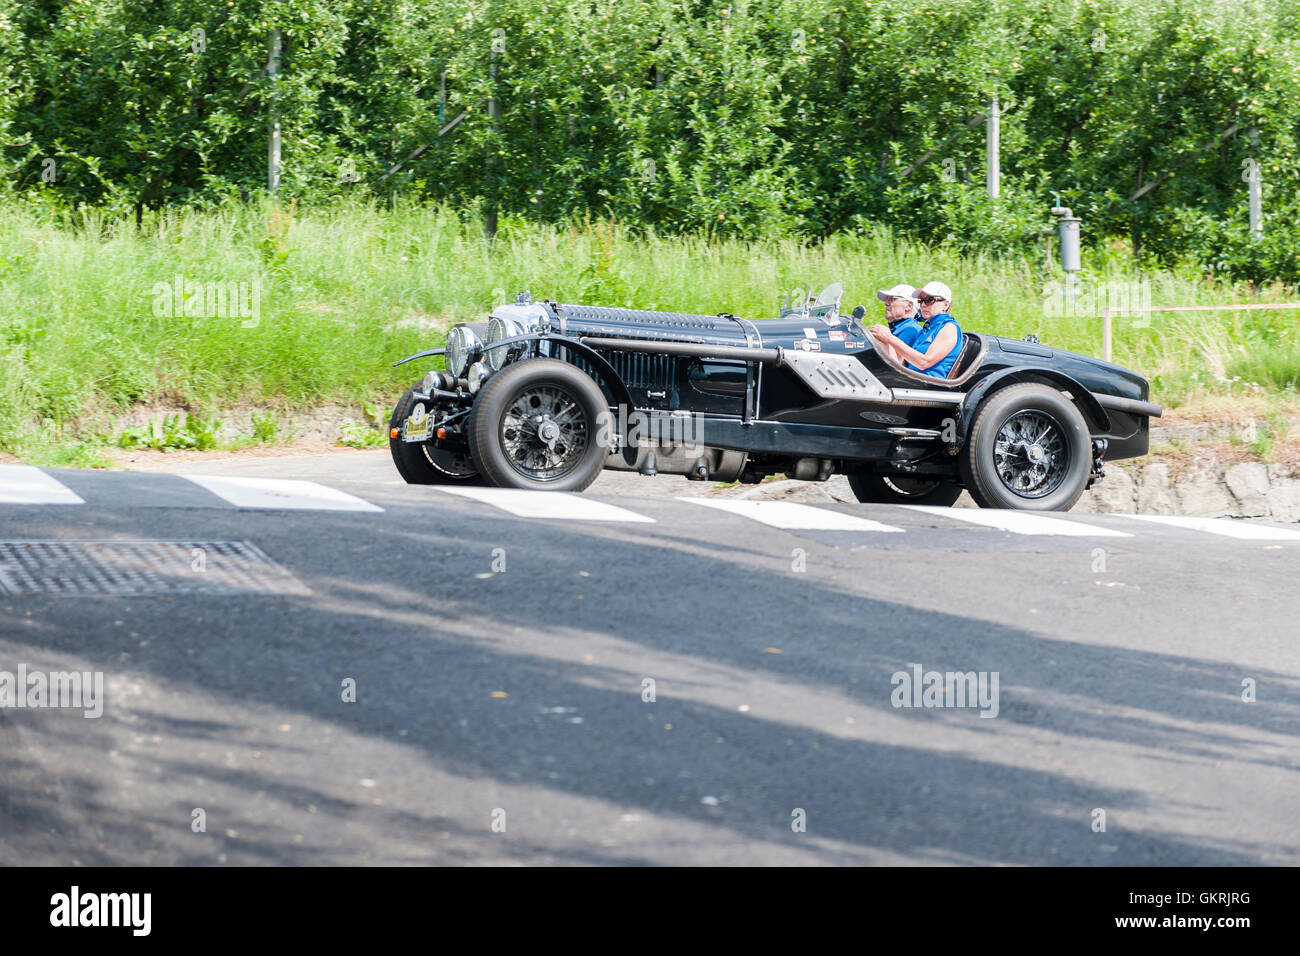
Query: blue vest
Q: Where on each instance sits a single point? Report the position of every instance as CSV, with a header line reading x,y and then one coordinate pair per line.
x,y
907,329
929,331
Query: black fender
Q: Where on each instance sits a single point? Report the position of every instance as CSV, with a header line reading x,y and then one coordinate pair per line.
x,y
425,354
479,328
598,361
609,376
1093,413
601,364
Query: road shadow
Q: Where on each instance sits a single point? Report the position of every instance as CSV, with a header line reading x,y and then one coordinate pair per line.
x,y
428,643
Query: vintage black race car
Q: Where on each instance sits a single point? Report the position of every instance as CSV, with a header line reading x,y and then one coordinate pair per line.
x,y
545,395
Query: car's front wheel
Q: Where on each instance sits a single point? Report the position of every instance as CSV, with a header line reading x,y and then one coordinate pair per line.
x,y
904,491
420,463
1029,449
540,423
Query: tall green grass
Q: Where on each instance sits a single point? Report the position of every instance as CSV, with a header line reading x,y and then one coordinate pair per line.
x,y
348,289
1276,369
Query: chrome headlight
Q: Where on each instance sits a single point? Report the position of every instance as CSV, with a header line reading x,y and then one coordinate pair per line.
x,y
462,345
498,329
475,376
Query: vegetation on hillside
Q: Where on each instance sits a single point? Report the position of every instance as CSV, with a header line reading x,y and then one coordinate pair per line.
x,y
755,119
90,325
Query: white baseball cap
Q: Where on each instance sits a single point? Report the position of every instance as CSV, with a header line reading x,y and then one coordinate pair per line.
x,y
900,291
937,290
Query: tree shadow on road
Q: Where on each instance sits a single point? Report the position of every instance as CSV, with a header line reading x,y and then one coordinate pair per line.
x,y
428,650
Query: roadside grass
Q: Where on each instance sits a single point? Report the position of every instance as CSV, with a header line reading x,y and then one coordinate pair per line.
x,y
179,430
348,289
1277,369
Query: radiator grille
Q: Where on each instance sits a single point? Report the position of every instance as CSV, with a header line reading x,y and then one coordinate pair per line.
x,y
639,370
642,369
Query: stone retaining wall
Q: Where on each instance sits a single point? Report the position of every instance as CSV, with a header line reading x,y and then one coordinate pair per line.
x,y
1247,490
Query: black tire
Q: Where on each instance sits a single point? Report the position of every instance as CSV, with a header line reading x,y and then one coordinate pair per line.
x,y
999,464
510,447
904,491
423,464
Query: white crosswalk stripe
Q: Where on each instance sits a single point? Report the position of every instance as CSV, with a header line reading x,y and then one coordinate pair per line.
x,y
1020,522
793,517
280,493
526,503
28,485
1228,527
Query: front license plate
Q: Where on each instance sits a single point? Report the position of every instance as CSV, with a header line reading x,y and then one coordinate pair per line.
x,y
418,425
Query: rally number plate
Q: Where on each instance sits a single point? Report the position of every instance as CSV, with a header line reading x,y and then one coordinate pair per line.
x,y
418,425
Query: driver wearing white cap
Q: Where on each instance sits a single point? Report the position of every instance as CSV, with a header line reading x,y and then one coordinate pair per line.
x,y
934,350
901,312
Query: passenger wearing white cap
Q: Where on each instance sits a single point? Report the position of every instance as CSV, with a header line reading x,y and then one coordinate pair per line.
x,y
936,347
901,312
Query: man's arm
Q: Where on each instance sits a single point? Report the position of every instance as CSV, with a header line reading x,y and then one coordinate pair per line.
x,y
943,344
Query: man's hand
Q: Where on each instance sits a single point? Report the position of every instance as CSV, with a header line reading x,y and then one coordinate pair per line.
x,y
879,332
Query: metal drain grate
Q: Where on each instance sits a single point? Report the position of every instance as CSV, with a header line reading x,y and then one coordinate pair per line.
x,y
141,567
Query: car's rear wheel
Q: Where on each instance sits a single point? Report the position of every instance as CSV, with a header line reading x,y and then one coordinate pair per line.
x,y
423,464
906,491
1029,449
540,423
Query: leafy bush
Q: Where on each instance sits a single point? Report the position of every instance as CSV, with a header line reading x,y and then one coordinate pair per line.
x,y
266,428
165,432
361,435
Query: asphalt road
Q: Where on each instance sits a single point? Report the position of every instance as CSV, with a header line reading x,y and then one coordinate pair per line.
x,y
500,663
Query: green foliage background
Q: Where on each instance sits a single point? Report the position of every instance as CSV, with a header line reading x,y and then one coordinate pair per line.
x,y
742,118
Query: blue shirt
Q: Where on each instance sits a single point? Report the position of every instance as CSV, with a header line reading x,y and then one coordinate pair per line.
x,y
906,329
929,332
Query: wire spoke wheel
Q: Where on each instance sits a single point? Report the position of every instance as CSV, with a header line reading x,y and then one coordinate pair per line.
x,y
1031,454
544,432
539,423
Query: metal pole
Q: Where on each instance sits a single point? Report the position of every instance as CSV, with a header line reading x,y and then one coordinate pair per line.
x,y
993,136
1255,183
494,113
1256,207
273,149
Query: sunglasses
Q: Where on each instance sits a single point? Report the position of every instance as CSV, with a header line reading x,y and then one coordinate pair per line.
x,y
927,299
